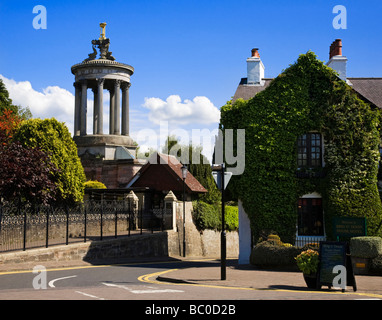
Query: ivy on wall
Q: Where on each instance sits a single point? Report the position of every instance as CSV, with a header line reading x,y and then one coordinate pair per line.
x,y
308,96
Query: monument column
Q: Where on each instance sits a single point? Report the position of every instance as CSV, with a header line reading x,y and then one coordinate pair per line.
x,y
99,129
117,107
84,101
77,108
125,108
95,110
111,113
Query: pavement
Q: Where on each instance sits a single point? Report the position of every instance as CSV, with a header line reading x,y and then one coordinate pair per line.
x,y
249,277
237,277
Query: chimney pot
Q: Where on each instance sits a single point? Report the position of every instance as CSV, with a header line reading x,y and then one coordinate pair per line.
x,y
255,53
335,48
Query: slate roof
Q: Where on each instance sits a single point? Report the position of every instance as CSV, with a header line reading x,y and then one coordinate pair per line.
x,y
165,173
368,88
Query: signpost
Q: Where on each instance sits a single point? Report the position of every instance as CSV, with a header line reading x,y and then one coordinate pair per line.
x,y
333,256
222,178
349,227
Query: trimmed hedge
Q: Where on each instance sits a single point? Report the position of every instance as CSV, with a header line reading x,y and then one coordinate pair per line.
x,y
269,254
208,216
94,184
366,247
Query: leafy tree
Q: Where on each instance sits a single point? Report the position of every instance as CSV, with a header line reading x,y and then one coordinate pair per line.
x,y
8,124
201,170
54,138
6,104
26,173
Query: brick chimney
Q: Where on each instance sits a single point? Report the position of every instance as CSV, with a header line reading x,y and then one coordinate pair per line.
x,y
336,61
335,48
255,69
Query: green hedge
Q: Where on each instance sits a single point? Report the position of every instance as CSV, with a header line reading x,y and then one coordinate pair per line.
x,y
94,184
208,216
269,254
366,247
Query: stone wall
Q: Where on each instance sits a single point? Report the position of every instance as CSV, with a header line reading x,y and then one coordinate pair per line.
x,y
204,243
162,244
150,245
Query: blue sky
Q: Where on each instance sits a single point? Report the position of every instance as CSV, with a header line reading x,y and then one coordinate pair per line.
x,y
178,48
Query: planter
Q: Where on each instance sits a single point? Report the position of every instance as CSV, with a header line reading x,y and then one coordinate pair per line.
x,y
311,280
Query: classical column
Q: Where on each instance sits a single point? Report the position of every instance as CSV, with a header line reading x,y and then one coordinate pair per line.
x,y
117,107
84,101
77,108
125,108
100,83
111,113
95,110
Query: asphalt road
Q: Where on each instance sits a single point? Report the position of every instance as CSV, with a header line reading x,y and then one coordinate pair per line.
x,y
135,284
110,282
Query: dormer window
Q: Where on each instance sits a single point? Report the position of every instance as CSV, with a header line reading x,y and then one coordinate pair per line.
x,y
309,150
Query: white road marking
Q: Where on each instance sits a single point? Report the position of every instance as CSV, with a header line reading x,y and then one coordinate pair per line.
x,y
90,295
140,291
51,283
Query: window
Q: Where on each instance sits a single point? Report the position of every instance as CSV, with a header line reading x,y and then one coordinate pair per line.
x,y
310,217
309,150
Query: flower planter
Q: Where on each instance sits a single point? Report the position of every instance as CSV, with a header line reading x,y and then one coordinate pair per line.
x,y
311,280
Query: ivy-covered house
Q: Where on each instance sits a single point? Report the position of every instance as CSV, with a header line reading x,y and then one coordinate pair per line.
x,y
312,139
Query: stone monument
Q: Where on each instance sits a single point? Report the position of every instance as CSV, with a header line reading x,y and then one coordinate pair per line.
x,y
102,153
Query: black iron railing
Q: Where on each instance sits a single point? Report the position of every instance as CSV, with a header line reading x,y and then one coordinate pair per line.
x,y
24,226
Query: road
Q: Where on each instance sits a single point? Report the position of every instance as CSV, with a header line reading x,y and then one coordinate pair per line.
x,y
136,284
109,282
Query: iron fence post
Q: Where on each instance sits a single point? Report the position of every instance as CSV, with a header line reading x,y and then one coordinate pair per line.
x,y
25,224
47,227
85,220
101,235
116,219
67,224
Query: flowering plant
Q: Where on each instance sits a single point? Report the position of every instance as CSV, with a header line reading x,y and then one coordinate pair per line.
x,y
307,261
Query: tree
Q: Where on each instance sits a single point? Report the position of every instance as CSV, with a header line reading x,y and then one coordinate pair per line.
x,y
54,138
8,124
6,104
198,166
26,173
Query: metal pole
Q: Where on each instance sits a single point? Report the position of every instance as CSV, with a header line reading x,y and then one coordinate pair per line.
x,y
85,221
184,217
223,234
116,218
101,231
67,223
25,224
47,226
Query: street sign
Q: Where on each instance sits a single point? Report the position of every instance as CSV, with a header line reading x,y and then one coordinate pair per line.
x,y
218,178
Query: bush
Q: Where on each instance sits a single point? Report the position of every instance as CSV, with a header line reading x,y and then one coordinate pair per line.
x,y
376,265
91,184
366,247
268,254
231,218
208,216
54,138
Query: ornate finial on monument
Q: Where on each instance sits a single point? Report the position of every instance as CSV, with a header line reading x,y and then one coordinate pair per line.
x,y
103,32
103,46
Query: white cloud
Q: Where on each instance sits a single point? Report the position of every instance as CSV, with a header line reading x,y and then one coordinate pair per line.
x,y
198,111
53,101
